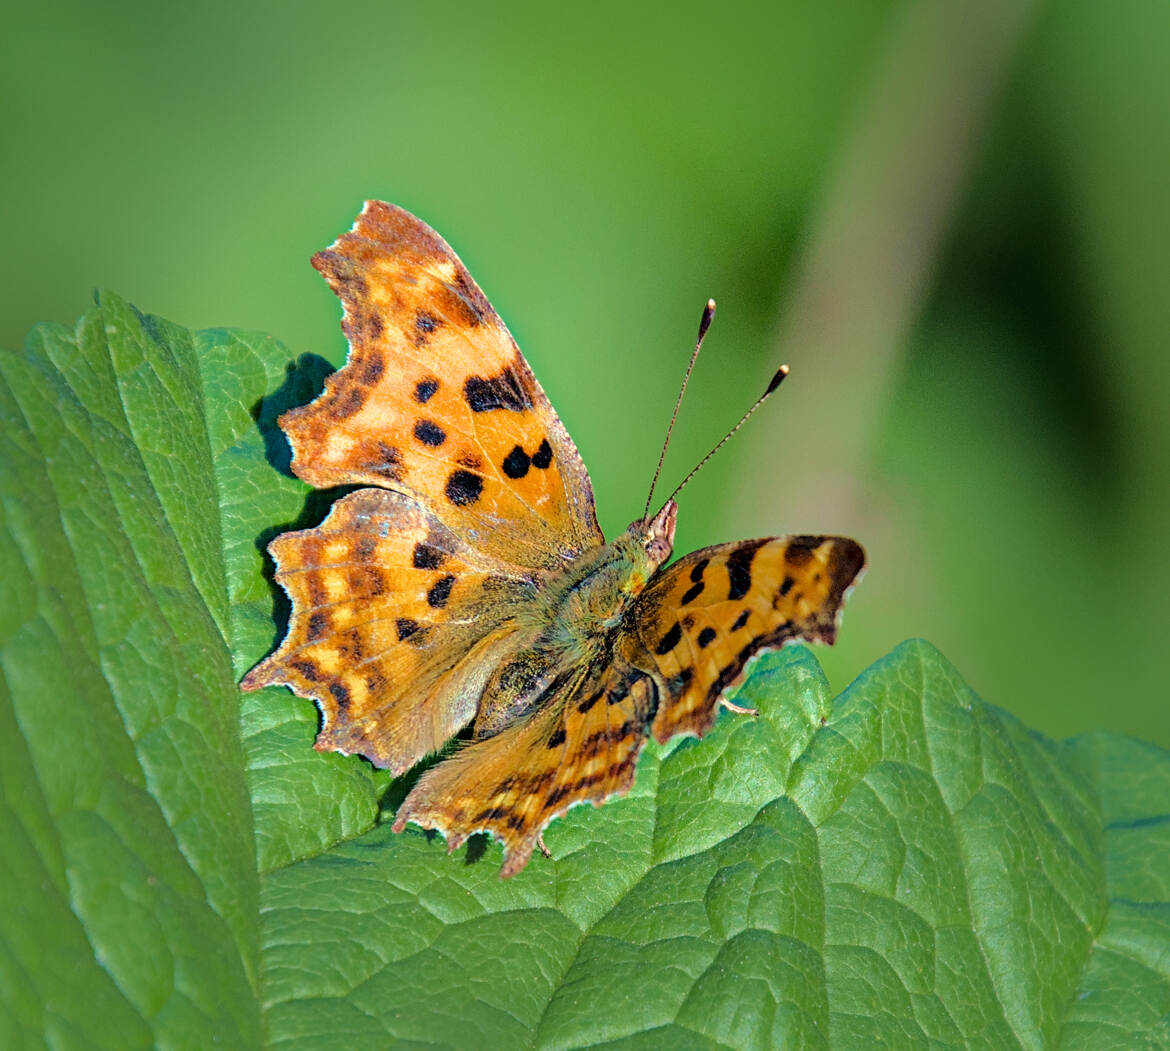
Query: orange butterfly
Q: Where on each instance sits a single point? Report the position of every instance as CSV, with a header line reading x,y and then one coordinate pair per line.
x,y
471,584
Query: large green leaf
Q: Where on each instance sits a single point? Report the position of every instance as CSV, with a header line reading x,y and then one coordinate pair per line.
x,y
904,865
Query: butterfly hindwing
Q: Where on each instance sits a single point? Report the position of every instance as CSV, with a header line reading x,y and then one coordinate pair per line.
x,y
581,746
436,401
396,625
704,617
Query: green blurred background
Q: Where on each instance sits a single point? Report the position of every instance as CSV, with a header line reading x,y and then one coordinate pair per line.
x,y
949,218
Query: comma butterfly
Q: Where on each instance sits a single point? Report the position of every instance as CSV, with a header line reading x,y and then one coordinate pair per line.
x,y
472,585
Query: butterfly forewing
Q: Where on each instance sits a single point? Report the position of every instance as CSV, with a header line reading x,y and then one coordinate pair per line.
x,y
436,400
702,619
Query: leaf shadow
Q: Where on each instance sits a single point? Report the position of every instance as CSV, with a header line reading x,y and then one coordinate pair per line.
x,y
476,848
304,380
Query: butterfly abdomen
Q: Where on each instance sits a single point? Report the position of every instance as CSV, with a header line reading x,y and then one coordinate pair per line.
x,y
567,635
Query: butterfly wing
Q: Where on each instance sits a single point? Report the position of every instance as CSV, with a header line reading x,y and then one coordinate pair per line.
x,y
582,746
704,617
436,401
404,599
395,626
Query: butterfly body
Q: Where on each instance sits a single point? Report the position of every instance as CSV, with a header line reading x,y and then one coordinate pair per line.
x,y
469,584
573,621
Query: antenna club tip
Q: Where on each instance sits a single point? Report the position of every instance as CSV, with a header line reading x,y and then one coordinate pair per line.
x,y
781,372
705,323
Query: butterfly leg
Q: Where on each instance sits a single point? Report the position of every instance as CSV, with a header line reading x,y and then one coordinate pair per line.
x,y
541,847
737,708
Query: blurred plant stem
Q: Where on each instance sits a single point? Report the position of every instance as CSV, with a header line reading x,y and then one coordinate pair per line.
x,y
861,279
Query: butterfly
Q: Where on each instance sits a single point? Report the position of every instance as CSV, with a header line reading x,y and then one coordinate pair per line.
x,y
467,584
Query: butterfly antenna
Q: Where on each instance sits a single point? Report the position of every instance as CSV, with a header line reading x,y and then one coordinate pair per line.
x,y
781,372
704,324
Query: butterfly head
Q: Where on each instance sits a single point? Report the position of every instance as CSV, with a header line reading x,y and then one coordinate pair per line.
x,y
658,538
649,541
642,548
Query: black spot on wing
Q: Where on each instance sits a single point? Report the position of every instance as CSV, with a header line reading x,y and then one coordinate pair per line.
x,y
706,637
504,391
543,455
430,433
692,593
463,487
741,620
405,627
739,569
494,813
698,569
427,557
787,585
847,561
440,591
516,463
669,640
424,390
556,795
340,695
558,738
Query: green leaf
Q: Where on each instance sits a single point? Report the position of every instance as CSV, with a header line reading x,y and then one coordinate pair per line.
x,y
903,865
126,802
301,804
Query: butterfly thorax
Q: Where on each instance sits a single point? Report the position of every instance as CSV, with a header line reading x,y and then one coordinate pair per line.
x,y
570,629
597,589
